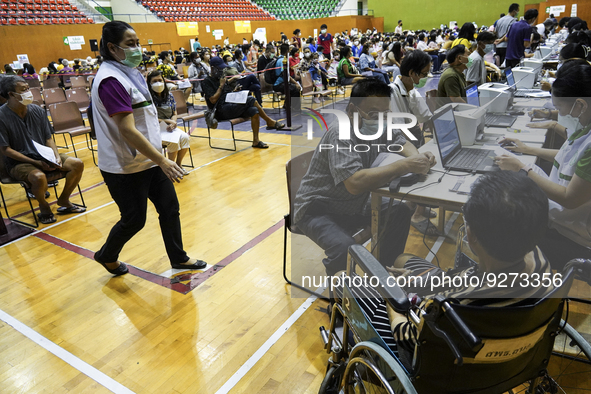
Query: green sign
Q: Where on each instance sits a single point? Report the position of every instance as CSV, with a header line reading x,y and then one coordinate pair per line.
x,y
547,10
66,41
150,42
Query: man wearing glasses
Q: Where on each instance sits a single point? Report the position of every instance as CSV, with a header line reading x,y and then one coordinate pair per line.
x,y
332,201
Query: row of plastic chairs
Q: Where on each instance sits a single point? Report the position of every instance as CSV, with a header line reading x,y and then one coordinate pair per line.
x,y
41,14
53,7
36,1
45,21
215,19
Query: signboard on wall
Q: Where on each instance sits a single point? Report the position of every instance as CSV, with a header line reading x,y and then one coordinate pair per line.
x,y
187,29
260,34
573,11
557,9
242,27
218,34
22,59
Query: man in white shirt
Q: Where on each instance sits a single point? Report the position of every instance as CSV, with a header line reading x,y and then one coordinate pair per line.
x,y
477,72
406,99
398,29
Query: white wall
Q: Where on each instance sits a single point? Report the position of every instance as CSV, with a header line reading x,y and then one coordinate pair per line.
x,y
349,8
131,7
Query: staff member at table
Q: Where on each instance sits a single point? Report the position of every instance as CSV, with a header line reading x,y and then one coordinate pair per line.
x,y
569,184
130,151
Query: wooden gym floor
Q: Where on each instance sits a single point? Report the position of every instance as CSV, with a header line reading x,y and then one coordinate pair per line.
x,y
66,325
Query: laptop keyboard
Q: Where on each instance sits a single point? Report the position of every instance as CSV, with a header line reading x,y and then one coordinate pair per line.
x,y
525,92
498,119
469,159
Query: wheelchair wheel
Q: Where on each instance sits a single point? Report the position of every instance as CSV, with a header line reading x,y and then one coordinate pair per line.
x,y
332,381
372,369
569,368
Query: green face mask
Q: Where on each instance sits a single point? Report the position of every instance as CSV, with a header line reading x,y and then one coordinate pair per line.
x,y
133,56
470,61
422,83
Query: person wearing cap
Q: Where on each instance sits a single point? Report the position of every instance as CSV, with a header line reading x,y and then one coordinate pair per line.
x,y
215,89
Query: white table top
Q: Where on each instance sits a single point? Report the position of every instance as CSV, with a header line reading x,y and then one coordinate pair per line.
x,y
439,193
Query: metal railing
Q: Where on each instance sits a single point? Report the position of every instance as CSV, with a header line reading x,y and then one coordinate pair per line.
x,y
355,11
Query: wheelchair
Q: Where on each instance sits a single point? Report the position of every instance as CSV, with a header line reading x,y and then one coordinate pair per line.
x,y
523,348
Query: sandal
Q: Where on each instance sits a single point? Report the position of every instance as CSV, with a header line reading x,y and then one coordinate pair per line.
x,y
261,145
46,218
426,227
71,209
278,125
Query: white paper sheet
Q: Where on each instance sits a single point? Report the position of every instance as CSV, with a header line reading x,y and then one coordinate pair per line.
x,y
170,136
46,152
237,97
183,84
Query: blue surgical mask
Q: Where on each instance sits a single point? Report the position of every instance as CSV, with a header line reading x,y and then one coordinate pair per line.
x,y
488,48
370,126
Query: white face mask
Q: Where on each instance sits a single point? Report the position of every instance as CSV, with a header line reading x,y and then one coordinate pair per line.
x,y
570,122
158,87
323,31
26,98
307,55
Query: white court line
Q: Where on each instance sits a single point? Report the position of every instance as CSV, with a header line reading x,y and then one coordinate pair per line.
x,y
80,365
234,379
441,238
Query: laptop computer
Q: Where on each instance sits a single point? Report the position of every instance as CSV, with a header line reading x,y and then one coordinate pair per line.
x,y
518,92
453,156
490,119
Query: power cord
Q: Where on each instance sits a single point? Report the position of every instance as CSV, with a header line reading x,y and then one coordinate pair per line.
x,y
391,203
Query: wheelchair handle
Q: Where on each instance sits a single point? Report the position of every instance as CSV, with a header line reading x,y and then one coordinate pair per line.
x,y
582,268
472,340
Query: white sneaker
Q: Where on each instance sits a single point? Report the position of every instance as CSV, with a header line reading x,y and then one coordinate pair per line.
x,y
202,99
430,75
340,91
316,100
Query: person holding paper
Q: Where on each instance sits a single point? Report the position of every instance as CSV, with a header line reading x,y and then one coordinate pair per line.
x,y
29,151
215,89
569,185
130,152
166,107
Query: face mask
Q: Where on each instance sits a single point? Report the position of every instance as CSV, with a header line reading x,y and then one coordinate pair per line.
x,y
570,122
370,126
26,98
133,56
356,43
470,61
307,55
323,31
158,87
488,48
197,61
422,82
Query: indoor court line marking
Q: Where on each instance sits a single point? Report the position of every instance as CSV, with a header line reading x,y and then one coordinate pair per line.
x,y
194,279
441,238
243,370
57,224
78,364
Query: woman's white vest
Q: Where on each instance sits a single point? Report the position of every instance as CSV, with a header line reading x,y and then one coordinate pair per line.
x,y
115,155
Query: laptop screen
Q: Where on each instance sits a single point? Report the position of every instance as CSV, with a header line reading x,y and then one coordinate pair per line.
x,y
446,134
509,75
472,94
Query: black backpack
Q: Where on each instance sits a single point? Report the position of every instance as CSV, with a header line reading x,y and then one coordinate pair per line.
x,y
270,74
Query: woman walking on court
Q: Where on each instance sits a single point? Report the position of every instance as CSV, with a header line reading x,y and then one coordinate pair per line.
x,y
129,149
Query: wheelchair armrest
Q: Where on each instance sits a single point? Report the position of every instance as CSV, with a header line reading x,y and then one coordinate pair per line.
x,y
389,290
581,268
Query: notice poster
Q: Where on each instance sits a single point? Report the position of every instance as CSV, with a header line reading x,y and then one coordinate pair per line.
x,y
187,29
242,27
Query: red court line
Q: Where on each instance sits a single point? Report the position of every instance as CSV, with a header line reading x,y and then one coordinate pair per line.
x,y
194,279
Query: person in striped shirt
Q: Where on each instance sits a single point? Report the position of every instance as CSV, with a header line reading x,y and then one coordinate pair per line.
x,y
505,218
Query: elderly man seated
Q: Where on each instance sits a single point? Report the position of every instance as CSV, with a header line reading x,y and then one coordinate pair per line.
x,y
24,131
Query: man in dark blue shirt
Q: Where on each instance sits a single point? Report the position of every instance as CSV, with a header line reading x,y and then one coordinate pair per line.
x,y
519,37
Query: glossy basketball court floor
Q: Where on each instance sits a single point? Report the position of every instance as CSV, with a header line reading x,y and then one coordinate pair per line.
x,y
66,325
